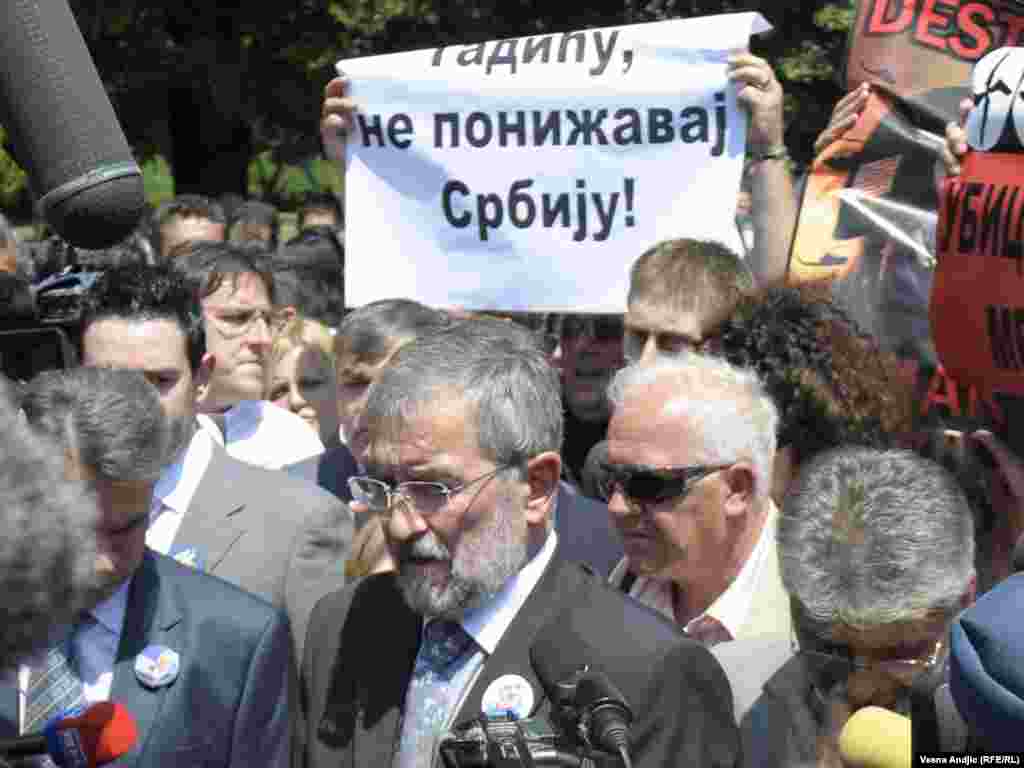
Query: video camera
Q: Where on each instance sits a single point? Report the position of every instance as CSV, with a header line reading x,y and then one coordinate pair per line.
x,y
588,728
42,336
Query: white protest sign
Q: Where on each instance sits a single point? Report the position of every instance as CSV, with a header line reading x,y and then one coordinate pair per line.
x,y
529,174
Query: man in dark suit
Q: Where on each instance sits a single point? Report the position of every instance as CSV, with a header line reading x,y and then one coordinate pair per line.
x,y
464,428
367,339
271,534
877,553
585,531
330,470
221,693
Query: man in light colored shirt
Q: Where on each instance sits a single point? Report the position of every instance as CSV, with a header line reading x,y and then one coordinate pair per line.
x,y
223,653
688,480
482,612
236,291
271,534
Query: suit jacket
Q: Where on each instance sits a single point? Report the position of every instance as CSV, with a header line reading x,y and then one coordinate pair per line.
x,y
330,470
781,729
269,533
585,531
230,704
363,641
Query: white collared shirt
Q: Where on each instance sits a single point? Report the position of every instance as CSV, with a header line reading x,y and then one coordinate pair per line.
x,y
264,434
174,491
731,608
95,650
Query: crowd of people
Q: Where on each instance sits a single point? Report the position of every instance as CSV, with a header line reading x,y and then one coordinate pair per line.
x,y
281,531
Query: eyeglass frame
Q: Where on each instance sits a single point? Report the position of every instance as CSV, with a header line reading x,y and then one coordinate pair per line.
x,y
275,319
395,494
891,667
690,476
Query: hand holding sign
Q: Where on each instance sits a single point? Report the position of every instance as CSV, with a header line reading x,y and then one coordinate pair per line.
x,y
844,116
336,118
761,93
530,172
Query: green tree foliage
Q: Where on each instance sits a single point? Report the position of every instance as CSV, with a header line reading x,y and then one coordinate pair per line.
x,y
212,85
12,179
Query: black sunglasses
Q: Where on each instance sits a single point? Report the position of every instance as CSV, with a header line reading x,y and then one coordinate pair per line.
x,y
650,485
599,327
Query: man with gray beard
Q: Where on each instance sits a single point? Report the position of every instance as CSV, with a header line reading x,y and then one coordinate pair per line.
x,y
483,613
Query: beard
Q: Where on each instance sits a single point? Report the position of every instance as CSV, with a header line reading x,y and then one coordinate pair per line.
x,y
484,561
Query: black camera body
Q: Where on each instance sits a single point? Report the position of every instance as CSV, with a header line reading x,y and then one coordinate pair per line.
x,y
589,719
504,742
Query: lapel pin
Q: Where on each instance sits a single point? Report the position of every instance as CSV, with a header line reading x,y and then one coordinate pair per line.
x,y
508,695
157,666
187,555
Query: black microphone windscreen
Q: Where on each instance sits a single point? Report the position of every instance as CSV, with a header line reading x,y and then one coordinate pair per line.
x,y
63,127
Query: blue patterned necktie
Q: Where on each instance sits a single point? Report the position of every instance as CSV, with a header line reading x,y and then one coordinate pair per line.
x,y
54,687
431,696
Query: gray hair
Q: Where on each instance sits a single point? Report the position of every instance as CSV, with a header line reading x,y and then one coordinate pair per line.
x,y
47,546
111,420
726,405
496,367
870,537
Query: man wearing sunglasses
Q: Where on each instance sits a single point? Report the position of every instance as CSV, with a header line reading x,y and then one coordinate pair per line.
x,y
688,479
679,292
877,552
463,467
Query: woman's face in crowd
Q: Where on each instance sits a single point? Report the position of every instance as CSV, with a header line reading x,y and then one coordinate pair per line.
x,y
303,382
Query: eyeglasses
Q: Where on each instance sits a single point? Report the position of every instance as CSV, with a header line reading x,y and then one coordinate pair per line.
x,y
597,327
426,497
903,669
237,321
668,344
650,485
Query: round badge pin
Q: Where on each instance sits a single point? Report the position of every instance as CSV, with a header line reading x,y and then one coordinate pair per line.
x,y
157,666
508,695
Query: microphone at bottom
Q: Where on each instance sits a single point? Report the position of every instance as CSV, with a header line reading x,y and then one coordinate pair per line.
x,y
97,735
874,737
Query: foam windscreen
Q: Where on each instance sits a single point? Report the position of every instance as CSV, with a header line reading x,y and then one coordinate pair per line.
x,y
62,126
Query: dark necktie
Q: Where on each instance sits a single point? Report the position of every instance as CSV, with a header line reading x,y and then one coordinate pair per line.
x,y
431,697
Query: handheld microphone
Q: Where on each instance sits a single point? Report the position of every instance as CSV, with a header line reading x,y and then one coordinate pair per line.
x,y
874,737
63,127
605,716
99,735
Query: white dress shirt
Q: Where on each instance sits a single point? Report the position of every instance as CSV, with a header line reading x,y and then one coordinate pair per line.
x,y
173,492
264,434
95,650
731,608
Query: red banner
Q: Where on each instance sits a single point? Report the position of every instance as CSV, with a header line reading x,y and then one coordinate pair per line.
x,y
869,219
